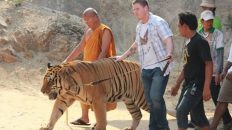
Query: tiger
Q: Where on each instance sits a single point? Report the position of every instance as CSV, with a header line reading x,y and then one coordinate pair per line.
x,y
95,83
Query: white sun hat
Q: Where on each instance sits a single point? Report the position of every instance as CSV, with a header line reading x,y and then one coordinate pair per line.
x,y
207,15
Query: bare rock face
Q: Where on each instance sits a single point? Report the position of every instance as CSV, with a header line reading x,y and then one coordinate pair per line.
x,y
29,30
3,41
7,53
58,52
7,56
21,40
3,22
42,39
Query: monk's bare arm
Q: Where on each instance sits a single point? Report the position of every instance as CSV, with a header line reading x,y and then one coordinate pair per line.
x,y
106,39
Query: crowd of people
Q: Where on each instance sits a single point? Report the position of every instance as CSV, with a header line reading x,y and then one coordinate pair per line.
x,y
201,76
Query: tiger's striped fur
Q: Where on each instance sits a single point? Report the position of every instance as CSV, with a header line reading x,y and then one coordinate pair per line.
x,y
115,81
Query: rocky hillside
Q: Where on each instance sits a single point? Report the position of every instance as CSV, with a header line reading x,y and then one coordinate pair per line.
x,y
118,15
51,28
32,32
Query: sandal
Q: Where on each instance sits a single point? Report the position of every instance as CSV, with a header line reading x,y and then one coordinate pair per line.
x,y
79,122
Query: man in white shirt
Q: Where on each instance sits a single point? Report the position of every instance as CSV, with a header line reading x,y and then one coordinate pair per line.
x,y
154,44
225,95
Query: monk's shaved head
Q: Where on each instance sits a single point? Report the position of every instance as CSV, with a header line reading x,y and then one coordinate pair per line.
x,y
91,18
90,12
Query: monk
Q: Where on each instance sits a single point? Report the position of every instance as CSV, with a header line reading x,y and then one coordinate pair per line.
x,y
96,43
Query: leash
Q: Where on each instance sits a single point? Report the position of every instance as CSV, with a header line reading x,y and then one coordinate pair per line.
x,y
165,68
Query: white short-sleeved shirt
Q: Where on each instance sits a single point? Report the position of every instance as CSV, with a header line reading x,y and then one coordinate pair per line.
x,y
230,58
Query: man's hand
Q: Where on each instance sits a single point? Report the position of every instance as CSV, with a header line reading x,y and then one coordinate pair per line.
x,y
118,58
206,93
217,79
170,58
222,75
229,76
174,89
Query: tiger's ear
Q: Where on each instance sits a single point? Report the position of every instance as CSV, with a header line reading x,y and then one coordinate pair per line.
x,y
49,65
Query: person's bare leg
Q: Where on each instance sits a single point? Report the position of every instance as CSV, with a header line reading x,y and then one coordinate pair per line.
x,y
220,110
85,113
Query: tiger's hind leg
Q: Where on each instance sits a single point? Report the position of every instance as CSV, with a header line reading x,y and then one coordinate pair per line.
x,y
135,113
58,109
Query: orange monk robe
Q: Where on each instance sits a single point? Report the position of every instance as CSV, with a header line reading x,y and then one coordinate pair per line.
x,y
93,45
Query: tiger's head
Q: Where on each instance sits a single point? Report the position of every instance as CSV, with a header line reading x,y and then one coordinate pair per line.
x,y
50,80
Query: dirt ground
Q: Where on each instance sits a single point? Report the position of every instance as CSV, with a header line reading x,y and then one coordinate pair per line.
x,y
29,111
23,107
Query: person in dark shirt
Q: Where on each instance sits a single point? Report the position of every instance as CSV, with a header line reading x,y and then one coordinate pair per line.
x,y
196,73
